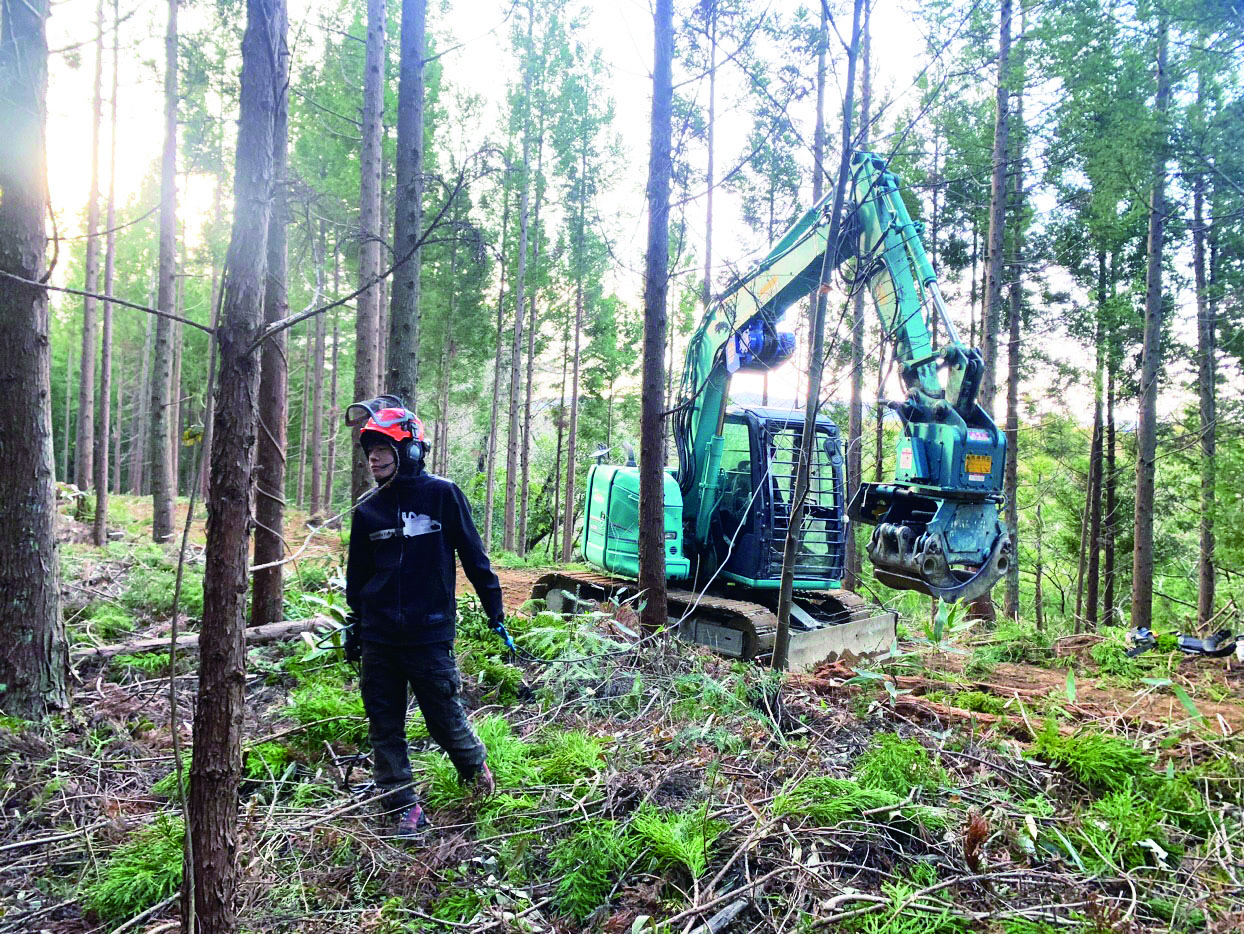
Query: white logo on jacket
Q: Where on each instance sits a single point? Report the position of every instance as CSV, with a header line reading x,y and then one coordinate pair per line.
x,y
414,524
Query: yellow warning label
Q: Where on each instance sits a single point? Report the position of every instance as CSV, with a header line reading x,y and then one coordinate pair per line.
x,y
978,463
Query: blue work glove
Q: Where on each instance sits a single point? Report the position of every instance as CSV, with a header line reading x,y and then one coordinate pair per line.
x,y
498,626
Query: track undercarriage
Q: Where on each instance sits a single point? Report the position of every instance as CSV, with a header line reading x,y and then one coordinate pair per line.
x,y
824,625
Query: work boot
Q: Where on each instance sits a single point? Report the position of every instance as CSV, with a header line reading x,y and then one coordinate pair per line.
x,y
481,784
412,821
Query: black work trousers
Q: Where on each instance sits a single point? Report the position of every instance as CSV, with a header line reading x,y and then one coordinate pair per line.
x,y
431,673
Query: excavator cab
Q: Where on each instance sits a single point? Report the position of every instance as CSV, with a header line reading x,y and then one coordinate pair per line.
x,y
752,513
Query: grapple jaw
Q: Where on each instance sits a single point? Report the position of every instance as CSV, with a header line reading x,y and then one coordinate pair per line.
x,y
948,545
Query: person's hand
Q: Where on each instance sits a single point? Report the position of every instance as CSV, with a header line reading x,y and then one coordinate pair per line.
x,y
353,644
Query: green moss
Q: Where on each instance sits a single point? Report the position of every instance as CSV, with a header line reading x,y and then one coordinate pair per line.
x,y
979,701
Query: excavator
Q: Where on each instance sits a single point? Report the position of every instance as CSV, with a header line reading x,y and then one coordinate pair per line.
x,y
729,503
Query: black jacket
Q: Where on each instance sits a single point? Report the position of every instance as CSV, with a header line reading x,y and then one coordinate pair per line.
x,y
400,574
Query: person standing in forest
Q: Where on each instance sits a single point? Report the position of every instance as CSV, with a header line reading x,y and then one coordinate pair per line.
x,y
400,578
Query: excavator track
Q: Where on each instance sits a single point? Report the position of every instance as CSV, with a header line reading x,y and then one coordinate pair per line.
x,y
737,628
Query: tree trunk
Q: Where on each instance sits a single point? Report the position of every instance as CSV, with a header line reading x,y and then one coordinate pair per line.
x,y
366,370
300,489
816,360
65,434
855,412
139,422
710,11
447,351
175,405
83,463
1093,585
1011,478
217,764
334,428
654,615
34,659
161,460
272,419
532,327
1038,597
520,281
402,353
494,422
1206,375
1110,480
572,432
553,549
99,532
317,399
991,312
1151,365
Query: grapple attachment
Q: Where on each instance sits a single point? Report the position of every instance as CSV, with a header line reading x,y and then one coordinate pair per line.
x,y
950,545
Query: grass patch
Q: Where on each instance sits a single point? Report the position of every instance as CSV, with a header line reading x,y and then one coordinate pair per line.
x,y
829,801
565,757
509,758
590,863
1102,762
108,621
1018,643
678,839
1120,832
142,872
149,590
898,766
328,712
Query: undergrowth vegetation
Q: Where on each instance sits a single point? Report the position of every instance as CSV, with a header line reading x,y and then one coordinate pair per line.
x,y
643,784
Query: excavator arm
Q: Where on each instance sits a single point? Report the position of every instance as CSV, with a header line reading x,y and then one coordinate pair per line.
x,y
936,524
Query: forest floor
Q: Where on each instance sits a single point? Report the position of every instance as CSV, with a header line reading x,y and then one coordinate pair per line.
x,y
1003,782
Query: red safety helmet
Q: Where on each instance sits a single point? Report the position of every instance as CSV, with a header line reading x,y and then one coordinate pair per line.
x,y
386,419
398,425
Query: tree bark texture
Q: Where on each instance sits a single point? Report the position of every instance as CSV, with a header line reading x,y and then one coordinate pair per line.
x,y
520,280
217,764
855,411
1015,309
160,411
366,371
710,29
33,649
532,327
816,360
317,401
1151,363
652,583
402,354
268,595
84,446
992,310
1206,375
99,532
139,422
1109,519
494,420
